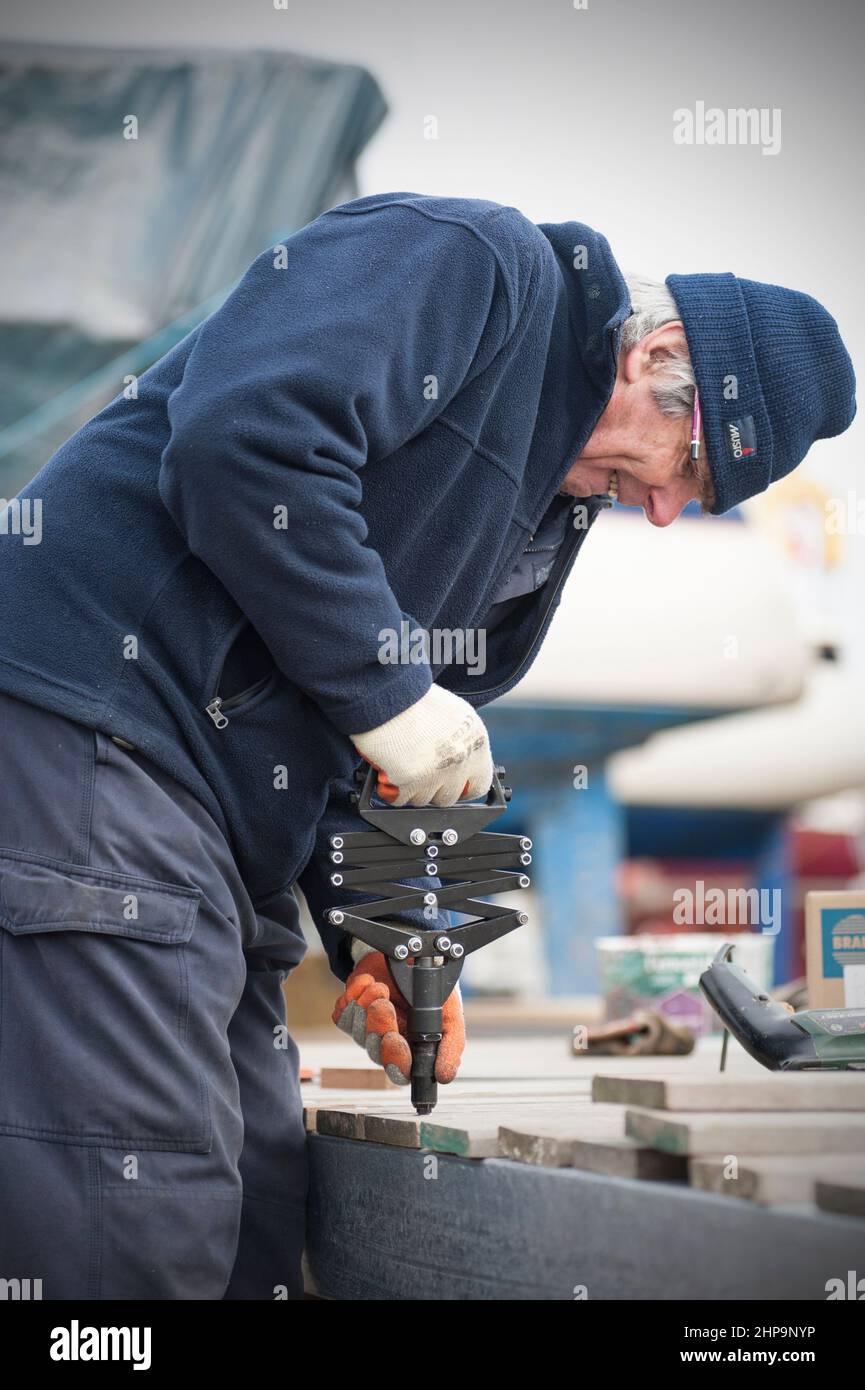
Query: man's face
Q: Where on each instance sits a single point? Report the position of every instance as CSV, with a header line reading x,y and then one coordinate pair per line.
x,y
648,451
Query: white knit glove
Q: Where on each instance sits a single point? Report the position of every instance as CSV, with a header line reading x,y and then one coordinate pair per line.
x,y
431,751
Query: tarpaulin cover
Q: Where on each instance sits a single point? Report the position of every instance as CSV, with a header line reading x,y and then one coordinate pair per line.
x,y
135,188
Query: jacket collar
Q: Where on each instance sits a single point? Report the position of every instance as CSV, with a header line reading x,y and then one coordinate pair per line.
x,y
591,304
597,296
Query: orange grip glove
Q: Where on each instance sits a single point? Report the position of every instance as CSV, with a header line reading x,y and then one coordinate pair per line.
x,y
388,792
373,1011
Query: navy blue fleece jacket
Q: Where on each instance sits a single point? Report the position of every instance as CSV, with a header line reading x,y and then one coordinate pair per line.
x,y
368,430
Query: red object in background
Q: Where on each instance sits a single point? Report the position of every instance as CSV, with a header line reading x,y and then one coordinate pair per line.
x,y
818,855
648,888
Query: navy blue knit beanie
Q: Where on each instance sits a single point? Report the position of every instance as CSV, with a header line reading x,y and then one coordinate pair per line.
x,y
773,376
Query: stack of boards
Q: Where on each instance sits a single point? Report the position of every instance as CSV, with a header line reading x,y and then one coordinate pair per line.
x,y
770,1138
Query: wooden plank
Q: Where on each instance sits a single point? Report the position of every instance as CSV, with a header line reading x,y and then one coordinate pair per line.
x,y
842,1193
369,1101
399,1101
341,1124
518,1086
742,1134
356,1100
468,1127
473,1132
458,1090
357,1079
377,1125
771,1091
591,1137
399,1128
769,1181
595,1143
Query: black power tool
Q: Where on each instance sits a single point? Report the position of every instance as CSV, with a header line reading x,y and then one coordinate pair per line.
x,y
814,1039
444,842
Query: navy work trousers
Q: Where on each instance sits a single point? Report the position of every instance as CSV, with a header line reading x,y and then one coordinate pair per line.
x,y
151,1133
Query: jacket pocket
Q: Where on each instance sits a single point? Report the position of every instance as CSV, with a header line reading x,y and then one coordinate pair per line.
x,y
94,1008
244,672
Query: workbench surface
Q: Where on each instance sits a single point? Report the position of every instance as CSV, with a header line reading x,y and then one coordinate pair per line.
x,y
563,1201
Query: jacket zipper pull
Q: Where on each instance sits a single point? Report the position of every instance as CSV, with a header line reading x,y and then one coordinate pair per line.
x,y
214,709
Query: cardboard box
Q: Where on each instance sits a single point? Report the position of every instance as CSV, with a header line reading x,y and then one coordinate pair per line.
x,y
835,949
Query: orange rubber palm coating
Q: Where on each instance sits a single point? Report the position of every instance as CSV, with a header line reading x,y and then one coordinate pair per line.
x,y
388,791
372,987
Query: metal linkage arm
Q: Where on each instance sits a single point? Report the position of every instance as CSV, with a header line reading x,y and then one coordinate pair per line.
x,y
428,842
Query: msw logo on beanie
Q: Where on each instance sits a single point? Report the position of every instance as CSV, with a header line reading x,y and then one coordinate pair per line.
x,y
741,437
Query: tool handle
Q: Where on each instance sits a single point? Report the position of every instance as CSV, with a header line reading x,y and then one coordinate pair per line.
x,y
389,792
374,778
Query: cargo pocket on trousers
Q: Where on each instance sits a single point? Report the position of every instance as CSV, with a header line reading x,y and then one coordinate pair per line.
x,y
94,1008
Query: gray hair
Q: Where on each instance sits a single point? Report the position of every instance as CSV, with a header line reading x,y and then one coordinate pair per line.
x,y
653,306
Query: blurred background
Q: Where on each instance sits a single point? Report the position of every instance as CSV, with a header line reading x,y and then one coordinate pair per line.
x,y
696,714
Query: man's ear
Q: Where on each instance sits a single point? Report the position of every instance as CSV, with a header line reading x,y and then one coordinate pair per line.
x,y
667,341
655,348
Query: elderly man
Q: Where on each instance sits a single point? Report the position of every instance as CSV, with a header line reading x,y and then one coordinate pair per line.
x,y
413,410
